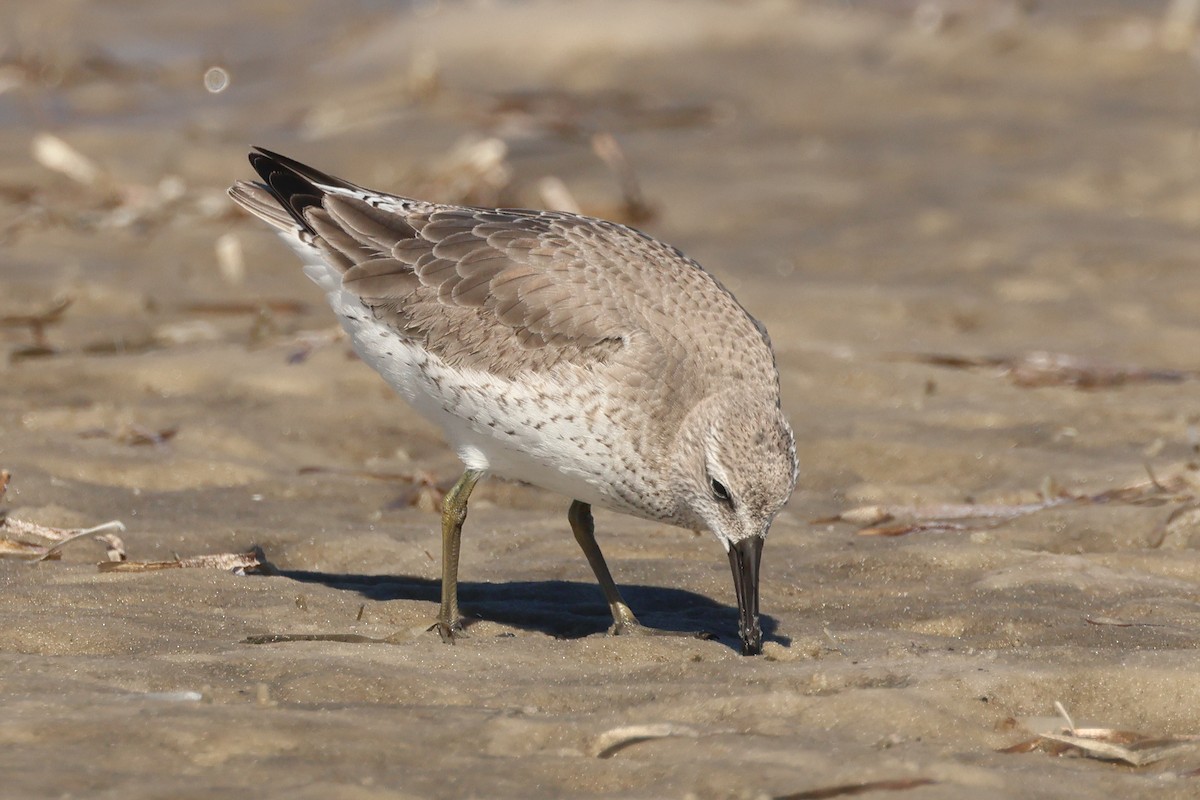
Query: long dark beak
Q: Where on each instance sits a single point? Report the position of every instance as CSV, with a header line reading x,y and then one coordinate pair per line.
x,y
744,557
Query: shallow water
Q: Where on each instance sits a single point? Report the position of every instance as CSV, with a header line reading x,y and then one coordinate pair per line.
x,y
876,184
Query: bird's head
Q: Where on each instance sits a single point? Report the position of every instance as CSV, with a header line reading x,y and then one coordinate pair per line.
x,y
735,467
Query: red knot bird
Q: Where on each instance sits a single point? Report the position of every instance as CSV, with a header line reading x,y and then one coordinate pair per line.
x,y
568,352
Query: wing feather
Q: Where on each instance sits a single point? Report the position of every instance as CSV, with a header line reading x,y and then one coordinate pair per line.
x,y
502,290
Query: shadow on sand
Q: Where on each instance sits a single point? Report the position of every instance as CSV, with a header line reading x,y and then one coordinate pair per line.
x,y
563,609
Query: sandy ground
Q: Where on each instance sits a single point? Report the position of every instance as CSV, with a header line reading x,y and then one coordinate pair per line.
x,y
877,181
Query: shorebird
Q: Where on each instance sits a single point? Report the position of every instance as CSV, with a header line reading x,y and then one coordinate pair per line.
x,y
564,351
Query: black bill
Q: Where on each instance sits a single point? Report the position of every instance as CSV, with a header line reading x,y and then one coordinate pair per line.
x,y
744,557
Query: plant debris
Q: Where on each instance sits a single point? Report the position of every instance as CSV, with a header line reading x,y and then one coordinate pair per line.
x,y
849,789
15,534
634,209
1105,744
252,562
36,322
1182,485
611,742
18,540
345,638
1041,368
132,434
302,345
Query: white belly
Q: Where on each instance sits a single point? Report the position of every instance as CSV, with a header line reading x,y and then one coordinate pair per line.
x,y
526,430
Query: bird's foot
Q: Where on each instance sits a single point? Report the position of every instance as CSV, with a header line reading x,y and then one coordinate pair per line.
x,y
449,631
627,627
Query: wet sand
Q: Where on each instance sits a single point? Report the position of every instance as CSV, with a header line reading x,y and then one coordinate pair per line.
x,y
876,182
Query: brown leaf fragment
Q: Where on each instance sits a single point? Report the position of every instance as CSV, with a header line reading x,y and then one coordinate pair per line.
x,y
5,477
849,789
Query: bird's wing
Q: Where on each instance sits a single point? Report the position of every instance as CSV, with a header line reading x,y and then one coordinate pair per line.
x,y
500,290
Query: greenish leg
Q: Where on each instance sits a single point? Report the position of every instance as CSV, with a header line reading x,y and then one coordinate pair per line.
x,y
454,512
624,622
584,529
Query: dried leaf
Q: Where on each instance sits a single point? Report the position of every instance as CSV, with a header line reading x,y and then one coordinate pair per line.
x,y
1105,744
1136,754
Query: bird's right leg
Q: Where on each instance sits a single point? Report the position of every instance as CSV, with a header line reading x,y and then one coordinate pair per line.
x,y
624,622
584,528
454,512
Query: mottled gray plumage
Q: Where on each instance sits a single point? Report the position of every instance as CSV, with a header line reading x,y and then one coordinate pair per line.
x,y
566,351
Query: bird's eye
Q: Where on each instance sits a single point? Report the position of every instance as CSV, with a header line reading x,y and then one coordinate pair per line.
x,y
720,492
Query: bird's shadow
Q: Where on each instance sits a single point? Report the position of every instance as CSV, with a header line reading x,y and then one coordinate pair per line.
x,y
563,609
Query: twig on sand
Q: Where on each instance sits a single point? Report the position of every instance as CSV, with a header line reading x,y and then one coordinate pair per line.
x,y
1181,485
849,789
252,562
1041,368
